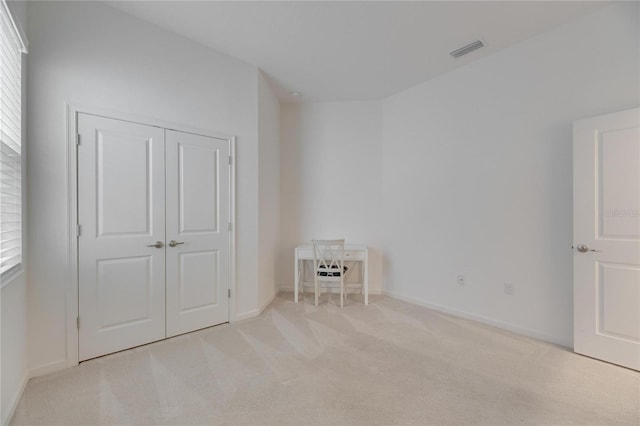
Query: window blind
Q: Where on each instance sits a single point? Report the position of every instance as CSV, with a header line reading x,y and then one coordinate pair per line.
x,y
11,49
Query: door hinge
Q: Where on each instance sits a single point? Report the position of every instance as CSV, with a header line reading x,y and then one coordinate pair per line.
x,y
78,322
229,293
78,230
78,139
230,160
230,227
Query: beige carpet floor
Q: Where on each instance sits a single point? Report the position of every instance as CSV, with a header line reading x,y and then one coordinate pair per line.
x,y
386,363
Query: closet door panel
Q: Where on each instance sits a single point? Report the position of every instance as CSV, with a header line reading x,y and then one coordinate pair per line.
x,y
197,231
121,208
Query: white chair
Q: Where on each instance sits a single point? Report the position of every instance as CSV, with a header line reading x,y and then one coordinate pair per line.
x,y
328,265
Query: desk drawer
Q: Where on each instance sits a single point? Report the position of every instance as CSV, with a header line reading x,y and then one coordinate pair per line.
x,y
354,255
307,253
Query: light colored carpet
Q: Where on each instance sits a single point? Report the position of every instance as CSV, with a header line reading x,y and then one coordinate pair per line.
x,y
386,363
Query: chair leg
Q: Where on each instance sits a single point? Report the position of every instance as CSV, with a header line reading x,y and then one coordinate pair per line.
x,y
315,284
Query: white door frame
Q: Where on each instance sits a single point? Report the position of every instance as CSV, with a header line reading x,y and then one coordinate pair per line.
x,y
72,111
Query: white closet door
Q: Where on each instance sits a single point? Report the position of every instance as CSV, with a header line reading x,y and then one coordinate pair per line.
x,y
121,202
197,223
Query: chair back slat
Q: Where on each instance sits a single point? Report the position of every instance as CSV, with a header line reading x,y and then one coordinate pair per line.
x,y
328,255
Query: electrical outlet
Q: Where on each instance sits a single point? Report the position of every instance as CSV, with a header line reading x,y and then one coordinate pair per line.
x,y
509,289
461,279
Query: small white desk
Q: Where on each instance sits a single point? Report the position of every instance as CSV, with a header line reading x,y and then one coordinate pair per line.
x,y
352,253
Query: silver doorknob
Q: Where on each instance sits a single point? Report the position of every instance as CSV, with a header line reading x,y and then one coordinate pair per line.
x,y
158,244
583,248
174,243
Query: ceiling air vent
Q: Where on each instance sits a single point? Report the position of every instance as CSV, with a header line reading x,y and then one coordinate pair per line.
x,y
467,49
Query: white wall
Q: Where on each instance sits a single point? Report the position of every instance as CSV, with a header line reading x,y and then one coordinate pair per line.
x,y
14,373
13,294
478,172
331,180
269,189
90,54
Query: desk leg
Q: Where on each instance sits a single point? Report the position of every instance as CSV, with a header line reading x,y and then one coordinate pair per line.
x,y
296,282
366,279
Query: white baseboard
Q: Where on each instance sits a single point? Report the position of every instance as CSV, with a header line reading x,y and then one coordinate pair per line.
x,y
256,312
52,367
268,301
246,315
289,288
285,288
6,419
479,318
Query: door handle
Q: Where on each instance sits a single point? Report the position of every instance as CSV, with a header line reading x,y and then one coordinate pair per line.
x,y
158,244
174,243
582,248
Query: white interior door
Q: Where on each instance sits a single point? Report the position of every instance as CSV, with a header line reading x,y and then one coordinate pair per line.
x,y
607,238
197,232
121,202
